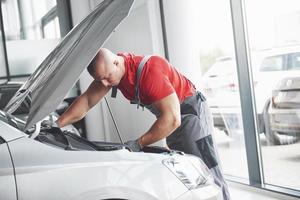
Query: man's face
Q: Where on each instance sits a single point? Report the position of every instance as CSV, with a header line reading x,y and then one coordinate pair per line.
x,y
107,73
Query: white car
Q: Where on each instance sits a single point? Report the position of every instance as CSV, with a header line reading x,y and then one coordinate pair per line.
x,y
39,161
269,67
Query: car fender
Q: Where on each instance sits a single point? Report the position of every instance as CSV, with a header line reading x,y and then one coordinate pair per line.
x,y
41,169
9,133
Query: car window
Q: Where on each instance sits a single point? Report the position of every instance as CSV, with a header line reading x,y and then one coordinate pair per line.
x,y
273,63
294,61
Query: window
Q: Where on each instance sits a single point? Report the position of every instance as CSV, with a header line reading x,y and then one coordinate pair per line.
x,y
25,19
277,34
220,85
274,63
294,61
31,30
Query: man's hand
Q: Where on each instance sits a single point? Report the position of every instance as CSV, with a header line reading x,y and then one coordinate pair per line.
x,y
134,145
50,124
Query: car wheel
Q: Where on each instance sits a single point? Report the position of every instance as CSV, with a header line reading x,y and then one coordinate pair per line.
x,y
274,137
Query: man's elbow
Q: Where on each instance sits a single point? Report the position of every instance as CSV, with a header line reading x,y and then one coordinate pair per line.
x,y
176,122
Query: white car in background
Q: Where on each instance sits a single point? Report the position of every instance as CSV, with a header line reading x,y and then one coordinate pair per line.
x,y
270,66
41,162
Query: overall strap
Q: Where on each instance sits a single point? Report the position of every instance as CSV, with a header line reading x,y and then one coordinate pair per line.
x,y
137,80
114,91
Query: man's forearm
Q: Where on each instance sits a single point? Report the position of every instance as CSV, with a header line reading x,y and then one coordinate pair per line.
x,y
83,103
74,113
161,128
64,121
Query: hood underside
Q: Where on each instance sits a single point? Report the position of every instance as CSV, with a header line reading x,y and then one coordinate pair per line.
x,y
49,84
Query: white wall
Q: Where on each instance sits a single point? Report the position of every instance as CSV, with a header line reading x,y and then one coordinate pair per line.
x,y
139,33
36,51
182,20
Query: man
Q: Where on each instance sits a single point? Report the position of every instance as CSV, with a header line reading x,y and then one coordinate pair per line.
x,y
182,113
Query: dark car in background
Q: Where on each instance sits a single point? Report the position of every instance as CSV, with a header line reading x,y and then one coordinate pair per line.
x,y
282,118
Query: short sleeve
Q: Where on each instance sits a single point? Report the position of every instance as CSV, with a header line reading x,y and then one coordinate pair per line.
x,y
154,82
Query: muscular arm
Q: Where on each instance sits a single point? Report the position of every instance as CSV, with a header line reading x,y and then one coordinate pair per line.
x,y
83,104
166,123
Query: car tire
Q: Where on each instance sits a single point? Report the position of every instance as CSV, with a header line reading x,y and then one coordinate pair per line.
x,y
274,137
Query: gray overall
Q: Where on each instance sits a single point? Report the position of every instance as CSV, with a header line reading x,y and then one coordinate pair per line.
x,y
194,136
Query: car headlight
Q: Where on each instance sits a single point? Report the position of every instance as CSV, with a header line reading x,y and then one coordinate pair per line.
x,y
190,170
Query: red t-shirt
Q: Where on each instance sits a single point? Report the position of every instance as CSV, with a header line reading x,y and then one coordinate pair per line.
x,y
158,79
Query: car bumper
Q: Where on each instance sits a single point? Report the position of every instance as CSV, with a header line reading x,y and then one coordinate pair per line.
x,y
285,121
210,192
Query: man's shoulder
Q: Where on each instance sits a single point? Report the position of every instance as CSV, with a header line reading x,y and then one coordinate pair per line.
x,y
158,58
156,69
136,58
157,62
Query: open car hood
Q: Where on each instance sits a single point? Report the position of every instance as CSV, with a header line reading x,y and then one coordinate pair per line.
x,y
49,84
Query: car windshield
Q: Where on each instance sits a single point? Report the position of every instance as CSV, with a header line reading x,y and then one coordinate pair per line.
x,y
11,120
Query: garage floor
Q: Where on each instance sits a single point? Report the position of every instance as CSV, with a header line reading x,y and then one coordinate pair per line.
x,y
281,164
249,193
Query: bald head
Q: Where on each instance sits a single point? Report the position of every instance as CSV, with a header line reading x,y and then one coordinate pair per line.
x,y
107,67
104,58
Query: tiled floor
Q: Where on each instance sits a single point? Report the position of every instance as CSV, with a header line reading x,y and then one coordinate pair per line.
x,y
239,191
